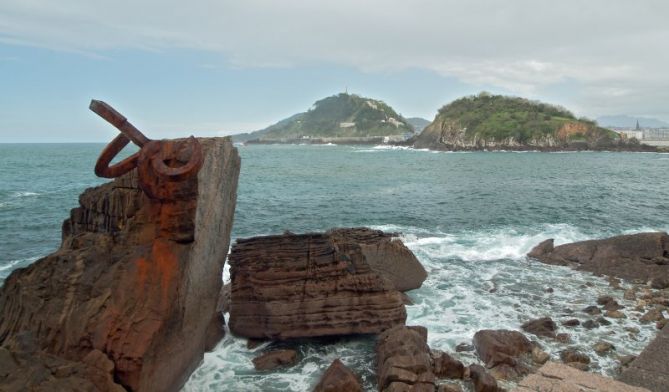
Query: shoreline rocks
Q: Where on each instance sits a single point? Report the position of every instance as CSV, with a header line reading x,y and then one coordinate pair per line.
x,y
338,378
136,278
319,284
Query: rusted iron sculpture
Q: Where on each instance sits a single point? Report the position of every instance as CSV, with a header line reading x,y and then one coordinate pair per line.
x,y
158,162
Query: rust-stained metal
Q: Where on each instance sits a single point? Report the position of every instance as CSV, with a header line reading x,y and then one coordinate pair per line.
x,y
158,162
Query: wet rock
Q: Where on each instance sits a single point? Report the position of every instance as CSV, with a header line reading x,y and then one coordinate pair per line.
x,y
563,338
549,290
603,321
571,323
616,314
590,324
224,298
464,347
661,324
290,286
445,366
602,347
578,365
254,343
544,326
609,303
660,282
625,360
403,361
338,378
632,330
483,382
592,310
449,388
571,355
630,294
275,359
637,256
652,315
614,283
539,356
406,300
135,278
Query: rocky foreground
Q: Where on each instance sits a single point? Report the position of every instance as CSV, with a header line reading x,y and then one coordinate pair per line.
x,y
129,300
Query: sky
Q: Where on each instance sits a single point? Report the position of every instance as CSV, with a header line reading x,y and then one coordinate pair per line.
x,y
218,67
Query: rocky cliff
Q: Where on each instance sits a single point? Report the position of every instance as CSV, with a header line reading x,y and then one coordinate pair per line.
x,y
288,286
136,278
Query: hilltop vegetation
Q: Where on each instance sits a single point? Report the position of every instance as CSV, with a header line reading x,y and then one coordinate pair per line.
x,y
486,120
342,116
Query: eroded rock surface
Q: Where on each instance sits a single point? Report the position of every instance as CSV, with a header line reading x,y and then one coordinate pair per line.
x,y
338,378
502,351
289,286
136,279
642,256
403,360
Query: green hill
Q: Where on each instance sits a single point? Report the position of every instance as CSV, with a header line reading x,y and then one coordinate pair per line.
x,y
339,116
495,121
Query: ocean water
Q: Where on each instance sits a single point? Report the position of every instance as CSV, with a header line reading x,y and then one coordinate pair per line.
x,y
469,217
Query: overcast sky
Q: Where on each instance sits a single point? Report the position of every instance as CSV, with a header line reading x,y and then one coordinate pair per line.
x,y
213,67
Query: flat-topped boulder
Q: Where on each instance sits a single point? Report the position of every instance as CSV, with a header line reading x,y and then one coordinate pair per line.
x,y
403,360
306,285
137,277
642,256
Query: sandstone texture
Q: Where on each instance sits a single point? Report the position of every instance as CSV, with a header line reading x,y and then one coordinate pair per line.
x,y
502,351
556,377
338,378
651,368
135,280
291,286
403,360
643,256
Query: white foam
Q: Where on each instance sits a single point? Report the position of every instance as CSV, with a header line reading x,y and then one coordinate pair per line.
x,y
24,194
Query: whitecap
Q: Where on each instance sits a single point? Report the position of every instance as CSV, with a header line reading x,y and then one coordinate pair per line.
x,y
24,194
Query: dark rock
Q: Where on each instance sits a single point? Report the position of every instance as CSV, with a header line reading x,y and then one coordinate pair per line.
x,y
539,356
572,355
403,360
616,314
445,366
464,347
254,343
592,310
275,359
224,298
544,326
590,324
311,285
661,324
603,321
625,360
579,365
660,282
563,338
544,248
483,382
500,350
571,323
406,300
338,378
135,278
602,347
549,290
637,256
449,388
652,315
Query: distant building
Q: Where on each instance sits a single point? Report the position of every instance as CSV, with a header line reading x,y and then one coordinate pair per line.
x,y
346,124
629,134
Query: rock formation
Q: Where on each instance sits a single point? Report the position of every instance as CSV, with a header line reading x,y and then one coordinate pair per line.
x,y
288,286
137,278
642,256
502,351
403,360
556,377
338,378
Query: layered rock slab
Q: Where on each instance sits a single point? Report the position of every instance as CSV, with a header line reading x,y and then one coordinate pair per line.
x,y
319,284
403,360
643,256
135,278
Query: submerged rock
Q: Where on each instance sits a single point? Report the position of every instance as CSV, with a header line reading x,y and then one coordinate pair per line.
x,y
338,378
403,361
289,286
275,359
136,278
641,256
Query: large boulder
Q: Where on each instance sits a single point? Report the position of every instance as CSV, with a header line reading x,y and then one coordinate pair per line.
x,y
544,326
642,256
136,278
290,286
403,360
338,378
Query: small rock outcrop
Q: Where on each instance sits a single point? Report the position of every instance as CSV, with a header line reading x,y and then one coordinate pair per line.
x,y
544,326
275,359
403,360
338,378
556,377
482,380
643,256
136,279
445,366
501,350
290,286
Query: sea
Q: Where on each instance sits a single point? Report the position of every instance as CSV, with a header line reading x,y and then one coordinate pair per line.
x,y
470,218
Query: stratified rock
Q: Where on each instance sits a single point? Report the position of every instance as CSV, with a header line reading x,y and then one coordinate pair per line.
x,y
641,256
445,366
483,382
338,378
502,348
275,359
403,361
135,278
544,326
288,286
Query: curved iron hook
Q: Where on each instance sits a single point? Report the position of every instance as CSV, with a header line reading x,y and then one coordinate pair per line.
x,y
182,172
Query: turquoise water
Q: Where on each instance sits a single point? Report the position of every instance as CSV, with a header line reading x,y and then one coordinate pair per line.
x,y
469,217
